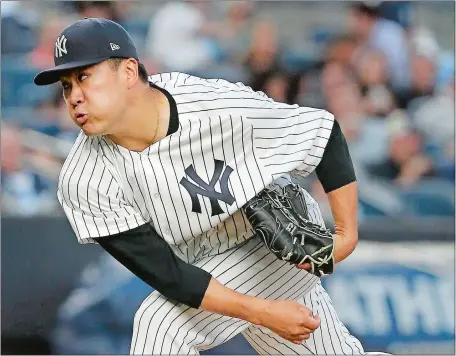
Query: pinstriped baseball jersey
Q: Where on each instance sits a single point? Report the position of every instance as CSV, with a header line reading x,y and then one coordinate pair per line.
x,y
163,326
230,144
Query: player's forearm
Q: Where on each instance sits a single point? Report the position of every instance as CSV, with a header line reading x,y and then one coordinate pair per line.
x,y
225,301
149,257
344,207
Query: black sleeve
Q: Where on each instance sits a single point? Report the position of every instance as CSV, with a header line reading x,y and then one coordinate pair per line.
x,y
149,257
336,168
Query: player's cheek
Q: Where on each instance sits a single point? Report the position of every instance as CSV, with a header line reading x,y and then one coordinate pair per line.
x,y
111,102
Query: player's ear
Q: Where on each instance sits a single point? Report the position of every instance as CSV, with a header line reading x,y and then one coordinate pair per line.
x,y
130,67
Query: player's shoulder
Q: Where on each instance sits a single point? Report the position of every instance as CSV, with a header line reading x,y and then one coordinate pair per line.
x,y
185,81
167,79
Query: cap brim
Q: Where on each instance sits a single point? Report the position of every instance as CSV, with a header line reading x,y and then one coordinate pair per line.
x,y
51,76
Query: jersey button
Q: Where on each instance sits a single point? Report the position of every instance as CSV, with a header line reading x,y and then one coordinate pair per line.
x,y
167,231
156,195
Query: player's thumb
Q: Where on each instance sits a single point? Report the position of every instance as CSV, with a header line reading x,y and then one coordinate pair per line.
x,y
314,321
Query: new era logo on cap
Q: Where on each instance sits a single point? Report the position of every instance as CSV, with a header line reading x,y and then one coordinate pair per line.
x,y
114,46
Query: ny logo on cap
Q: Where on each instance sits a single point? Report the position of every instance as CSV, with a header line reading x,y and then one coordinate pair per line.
x,y
60,46
114,46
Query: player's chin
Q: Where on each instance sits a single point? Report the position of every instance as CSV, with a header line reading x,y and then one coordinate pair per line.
x,y
90,129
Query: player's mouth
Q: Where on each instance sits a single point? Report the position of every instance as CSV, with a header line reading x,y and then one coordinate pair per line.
x,y
81,118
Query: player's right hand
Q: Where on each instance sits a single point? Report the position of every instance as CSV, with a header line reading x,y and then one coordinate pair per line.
x,y
289,319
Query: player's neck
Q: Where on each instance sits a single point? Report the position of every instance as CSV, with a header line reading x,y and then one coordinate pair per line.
x,y
145,123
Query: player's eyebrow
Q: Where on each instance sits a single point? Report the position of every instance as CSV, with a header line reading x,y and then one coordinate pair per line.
x,y
76,71
67,76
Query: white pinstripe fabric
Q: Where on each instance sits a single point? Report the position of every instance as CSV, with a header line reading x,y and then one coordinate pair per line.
x,y
162,326
106,189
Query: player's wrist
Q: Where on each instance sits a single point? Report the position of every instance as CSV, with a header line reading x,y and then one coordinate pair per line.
x,y
343,246
257,310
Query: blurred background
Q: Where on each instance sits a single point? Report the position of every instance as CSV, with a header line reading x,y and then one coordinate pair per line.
x,y
384,69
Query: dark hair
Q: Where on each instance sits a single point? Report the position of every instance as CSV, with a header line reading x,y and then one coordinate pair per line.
x,y
341,38
364,7
81,6
142,71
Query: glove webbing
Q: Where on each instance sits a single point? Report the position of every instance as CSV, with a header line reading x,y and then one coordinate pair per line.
x,y
282,202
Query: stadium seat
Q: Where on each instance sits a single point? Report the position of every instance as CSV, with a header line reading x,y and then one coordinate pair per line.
x,y
433,197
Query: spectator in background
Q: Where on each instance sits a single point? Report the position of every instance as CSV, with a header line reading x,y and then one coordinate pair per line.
x,y
388,37
434,119
424,61
24,192
366,136
17,23
407,163
102,9
262,60
31,163
263,65
181,38
276,87
341,49
236,29
430,108
378,97
397,11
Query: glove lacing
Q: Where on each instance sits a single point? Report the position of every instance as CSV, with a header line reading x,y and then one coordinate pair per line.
x,y
280,200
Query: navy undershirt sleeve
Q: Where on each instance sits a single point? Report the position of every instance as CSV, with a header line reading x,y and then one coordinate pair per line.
x,y
149,257
336,168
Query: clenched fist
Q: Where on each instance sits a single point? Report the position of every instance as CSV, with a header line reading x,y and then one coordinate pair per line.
x,y
289,319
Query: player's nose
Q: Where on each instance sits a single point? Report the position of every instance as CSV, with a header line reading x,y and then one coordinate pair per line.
x,y
76,96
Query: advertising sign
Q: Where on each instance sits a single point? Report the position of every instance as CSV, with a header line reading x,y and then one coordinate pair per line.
x,y
398,298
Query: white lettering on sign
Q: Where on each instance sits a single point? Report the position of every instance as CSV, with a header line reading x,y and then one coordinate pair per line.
x,y
419,304
374,291
445,293
415,305
345,301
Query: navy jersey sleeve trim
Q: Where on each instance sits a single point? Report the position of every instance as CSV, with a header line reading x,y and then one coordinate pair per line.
x,y
336,167
149,257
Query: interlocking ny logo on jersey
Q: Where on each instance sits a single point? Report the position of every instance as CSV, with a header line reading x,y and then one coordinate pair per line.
x,y
208,190
60,46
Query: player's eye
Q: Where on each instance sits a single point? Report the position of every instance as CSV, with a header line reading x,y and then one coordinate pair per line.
x,y
82,76
65,86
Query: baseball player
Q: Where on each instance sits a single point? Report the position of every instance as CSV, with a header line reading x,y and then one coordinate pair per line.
x,y
159,176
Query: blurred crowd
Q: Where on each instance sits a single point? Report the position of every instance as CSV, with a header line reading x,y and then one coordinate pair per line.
x,y
387,80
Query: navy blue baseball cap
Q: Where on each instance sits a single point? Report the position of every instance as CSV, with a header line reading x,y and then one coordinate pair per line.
x,y
87,42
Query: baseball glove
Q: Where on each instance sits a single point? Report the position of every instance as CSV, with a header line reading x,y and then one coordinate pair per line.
x,y
279,216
